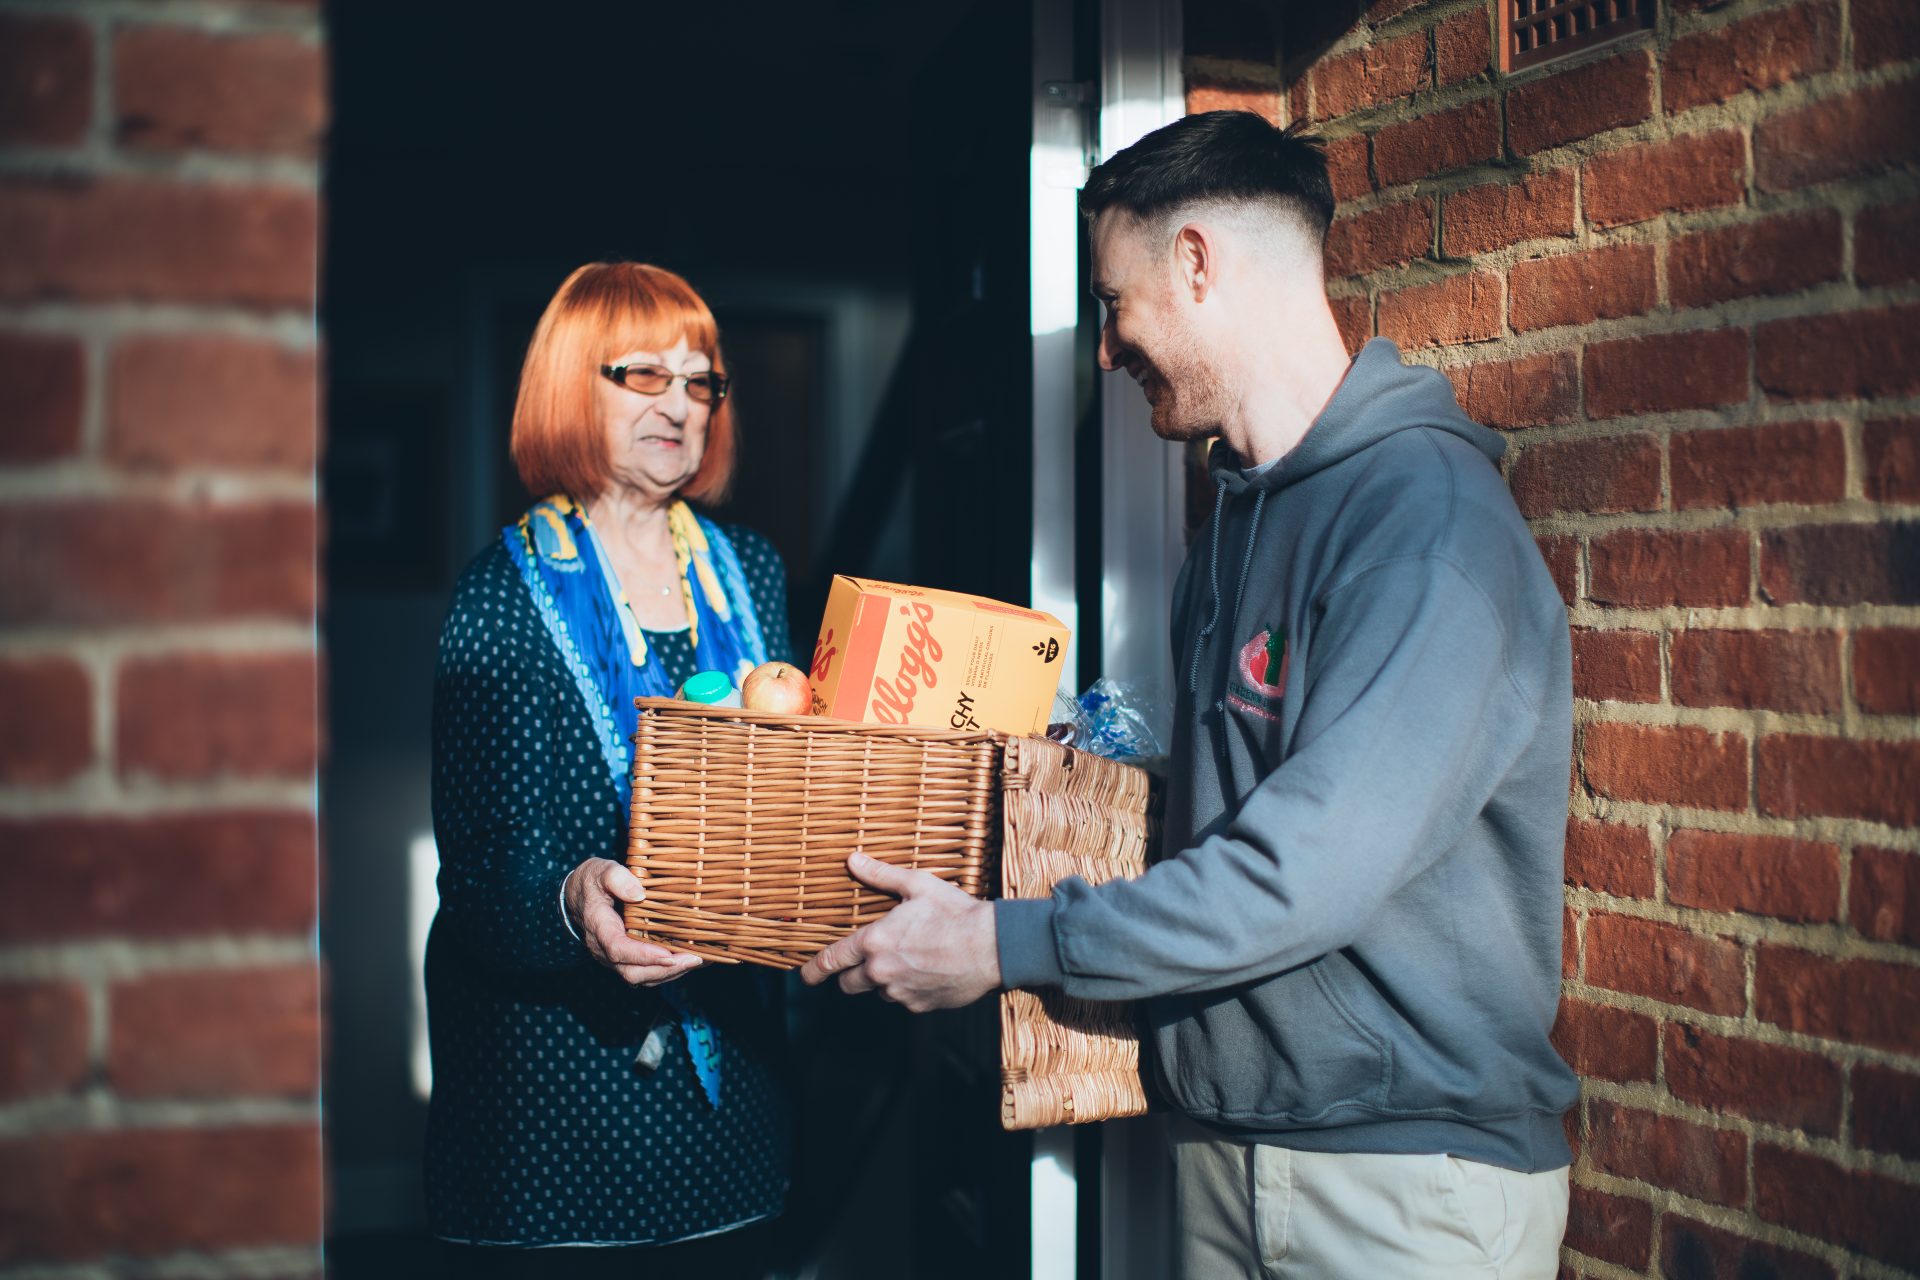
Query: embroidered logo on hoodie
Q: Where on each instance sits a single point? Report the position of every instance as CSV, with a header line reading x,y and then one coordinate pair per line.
x,y
1263,674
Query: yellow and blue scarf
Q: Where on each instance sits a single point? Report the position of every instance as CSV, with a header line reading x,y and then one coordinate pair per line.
x,y
591,623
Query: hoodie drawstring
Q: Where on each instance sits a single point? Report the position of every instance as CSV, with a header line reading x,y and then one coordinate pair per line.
x,y
1246,561
1213,566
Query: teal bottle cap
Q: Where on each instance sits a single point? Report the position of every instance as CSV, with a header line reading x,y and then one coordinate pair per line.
x,y
708,686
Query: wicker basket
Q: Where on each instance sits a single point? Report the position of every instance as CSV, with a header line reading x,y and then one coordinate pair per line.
x,y
1065,1060
742,822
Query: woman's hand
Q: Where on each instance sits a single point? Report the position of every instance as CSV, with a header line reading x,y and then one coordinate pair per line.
x,y
594,894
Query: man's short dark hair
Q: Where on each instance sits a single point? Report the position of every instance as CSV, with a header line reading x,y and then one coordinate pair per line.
x,y
1229,156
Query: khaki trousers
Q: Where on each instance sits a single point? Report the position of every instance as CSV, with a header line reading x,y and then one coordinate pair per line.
x,y
1243,1211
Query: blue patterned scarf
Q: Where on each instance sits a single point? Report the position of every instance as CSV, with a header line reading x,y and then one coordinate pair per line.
x,y
591,623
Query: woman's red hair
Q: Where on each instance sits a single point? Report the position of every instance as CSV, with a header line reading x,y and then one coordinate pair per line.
x,y
603,310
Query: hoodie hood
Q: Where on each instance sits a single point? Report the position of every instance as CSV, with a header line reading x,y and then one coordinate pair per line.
x,y
1380,395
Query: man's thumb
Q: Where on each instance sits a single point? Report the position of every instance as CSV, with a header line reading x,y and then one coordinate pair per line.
x,y
884,876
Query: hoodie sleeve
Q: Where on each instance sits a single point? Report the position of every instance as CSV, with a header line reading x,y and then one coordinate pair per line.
x,y
1406,730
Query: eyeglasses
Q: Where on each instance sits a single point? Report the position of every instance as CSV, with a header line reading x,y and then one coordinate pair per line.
x,y
651,380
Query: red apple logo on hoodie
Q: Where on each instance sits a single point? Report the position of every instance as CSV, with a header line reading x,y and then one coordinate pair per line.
x,y
1263,671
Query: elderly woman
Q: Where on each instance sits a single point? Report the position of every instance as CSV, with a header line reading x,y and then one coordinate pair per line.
x,y
589,1088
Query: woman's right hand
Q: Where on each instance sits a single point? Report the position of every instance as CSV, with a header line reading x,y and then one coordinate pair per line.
x,y
595,891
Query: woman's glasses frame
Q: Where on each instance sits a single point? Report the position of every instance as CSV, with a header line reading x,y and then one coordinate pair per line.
x,y
651,380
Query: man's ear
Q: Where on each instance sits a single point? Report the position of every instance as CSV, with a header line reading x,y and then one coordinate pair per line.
x,y
1196,260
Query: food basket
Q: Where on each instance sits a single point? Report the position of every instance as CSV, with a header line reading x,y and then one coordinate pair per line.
x,y
742,822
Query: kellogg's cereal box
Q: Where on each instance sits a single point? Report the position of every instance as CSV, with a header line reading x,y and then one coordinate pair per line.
x,y
892,654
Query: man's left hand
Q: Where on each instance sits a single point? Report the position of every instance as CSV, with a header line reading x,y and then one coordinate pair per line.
x,y
936,950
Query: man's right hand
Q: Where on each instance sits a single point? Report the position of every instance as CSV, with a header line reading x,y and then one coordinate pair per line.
x,y
596,890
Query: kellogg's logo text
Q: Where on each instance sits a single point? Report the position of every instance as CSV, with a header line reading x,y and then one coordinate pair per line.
x,y
893,698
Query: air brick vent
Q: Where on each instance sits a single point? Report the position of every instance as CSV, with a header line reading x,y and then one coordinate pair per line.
x,y
1539,31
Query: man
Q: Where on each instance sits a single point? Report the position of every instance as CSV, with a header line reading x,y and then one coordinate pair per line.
x,y
1351,955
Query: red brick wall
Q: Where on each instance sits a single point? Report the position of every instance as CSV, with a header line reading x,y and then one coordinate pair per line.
x,y
1680,273
159,730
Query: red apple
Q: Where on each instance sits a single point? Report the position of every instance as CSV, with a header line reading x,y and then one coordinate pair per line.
x,y
779,687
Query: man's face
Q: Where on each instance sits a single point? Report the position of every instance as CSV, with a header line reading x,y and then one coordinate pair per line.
x,y
1149,332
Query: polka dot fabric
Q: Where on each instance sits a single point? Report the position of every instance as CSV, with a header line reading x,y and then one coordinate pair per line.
x,y
541,1130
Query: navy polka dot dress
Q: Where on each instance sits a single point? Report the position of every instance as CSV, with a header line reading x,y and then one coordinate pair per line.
x,y
541,1130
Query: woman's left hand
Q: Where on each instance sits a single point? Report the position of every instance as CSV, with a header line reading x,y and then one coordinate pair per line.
x,y
596,889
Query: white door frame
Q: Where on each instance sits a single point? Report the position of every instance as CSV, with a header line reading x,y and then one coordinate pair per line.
x,y
1141,87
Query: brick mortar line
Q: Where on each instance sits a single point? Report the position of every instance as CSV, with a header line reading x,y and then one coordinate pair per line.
x,y
1656,129
190,488
293,328
108,647
1204,71
1725,15
141,798
1742,110
101,1112
1825,828
1819,301
1588,1268
1848,197
1644,1097
185,168
93,404
1740,1222
223,20
1769,518
1829,941
1755,106
1752,722
1854,432
1694,422
217,17
1418,105
1841,1053
1666,429
1763,517
1430,17
247,1263
103,694
99,1023
1664,641
105,960
1667,226
1572,341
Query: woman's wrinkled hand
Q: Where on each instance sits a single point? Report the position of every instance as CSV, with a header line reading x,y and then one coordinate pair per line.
x,y
595,892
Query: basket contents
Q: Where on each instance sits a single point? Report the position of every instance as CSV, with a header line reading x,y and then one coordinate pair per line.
x,y
779,687
898,655
711,688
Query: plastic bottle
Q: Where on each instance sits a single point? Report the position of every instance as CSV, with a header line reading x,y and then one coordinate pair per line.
x,y
710,687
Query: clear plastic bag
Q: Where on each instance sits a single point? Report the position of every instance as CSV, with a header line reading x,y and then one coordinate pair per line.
x,y
1123,721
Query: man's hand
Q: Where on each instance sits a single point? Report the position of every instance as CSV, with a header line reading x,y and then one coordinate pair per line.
x,y
595,891
936,950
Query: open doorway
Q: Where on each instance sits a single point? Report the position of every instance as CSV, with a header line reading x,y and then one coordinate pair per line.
x,y
846,186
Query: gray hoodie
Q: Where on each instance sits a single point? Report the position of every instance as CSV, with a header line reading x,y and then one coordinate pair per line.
x,y
1353,943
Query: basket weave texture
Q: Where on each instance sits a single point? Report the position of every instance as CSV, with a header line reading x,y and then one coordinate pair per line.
x,y
1064,1060
742,822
